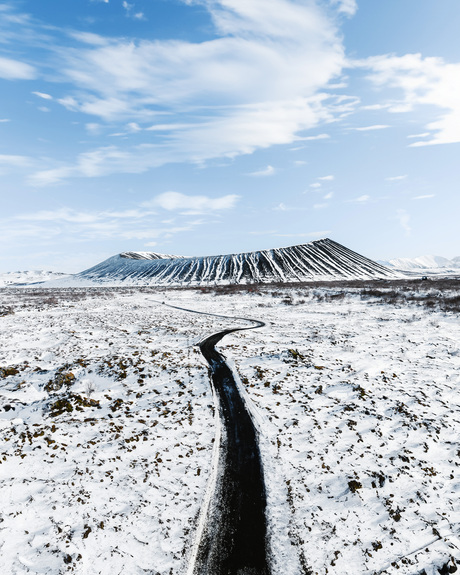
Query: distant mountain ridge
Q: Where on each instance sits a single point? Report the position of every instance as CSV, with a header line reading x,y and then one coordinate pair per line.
x,y
318,260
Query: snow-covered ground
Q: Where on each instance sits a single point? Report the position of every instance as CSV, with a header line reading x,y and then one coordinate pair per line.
x,y
108,423
27,277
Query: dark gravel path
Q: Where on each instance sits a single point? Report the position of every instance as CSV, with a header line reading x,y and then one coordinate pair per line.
x,y
234,541
234,538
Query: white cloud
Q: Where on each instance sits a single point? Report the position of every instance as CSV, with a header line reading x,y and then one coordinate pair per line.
x,y
16,161
133,127
43,95
93,128
15,70
329,196
62,214
404,218
371,128
281,207
136,223
326,178
318,137
348,7
4,120
424,197
422,81
376,107
89,38
396,178
268,171
361,199
170,127
259,82
423,135
199,204
315,186
13,163
240,131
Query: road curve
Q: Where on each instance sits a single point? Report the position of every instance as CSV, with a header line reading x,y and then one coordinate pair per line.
x,y
233,540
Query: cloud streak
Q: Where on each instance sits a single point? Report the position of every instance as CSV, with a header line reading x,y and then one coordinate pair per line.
x,y
174,201
15,70
143,222
261,81
268,171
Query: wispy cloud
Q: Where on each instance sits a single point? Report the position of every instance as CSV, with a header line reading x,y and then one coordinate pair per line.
x,y
268,171
12,160
15,70
396,178
240,131
326,178
130,11
312,138
43,95
175,201
417,136
13,163
361,199
404,218
424,197
348,7
372,128
261,81
141,222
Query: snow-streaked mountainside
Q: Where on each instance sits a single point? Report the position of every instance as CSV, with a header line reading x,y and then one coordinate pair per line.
x,y
318,260
429,262
147,256
28,277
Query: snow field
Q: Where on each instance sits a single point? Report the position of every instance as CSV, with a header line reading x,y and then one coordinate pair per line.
x,y
364,424
113,487
356,403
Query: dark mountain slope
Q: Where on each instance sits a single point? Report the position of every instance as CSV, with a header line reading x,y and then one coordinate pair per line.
x,y
318,260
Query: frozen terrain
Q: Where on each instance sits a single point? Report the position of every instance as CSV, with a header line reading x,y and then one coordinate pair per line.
x,y
28,277
107,423
317,260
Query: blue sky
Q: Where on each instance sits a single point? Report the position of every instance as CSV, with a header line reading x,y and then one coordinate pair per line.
x,y
201,127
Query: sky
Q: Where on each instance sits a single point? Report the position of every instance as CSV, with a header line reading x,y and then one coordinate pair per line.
x,y
201,127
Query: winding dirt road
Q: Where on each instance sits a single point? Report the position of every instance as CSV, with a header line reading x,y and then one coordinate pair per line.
x,y
233,537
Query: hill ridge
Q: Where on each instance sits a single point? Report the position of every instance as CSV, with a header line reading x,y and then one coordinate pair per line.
x,y
322,259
